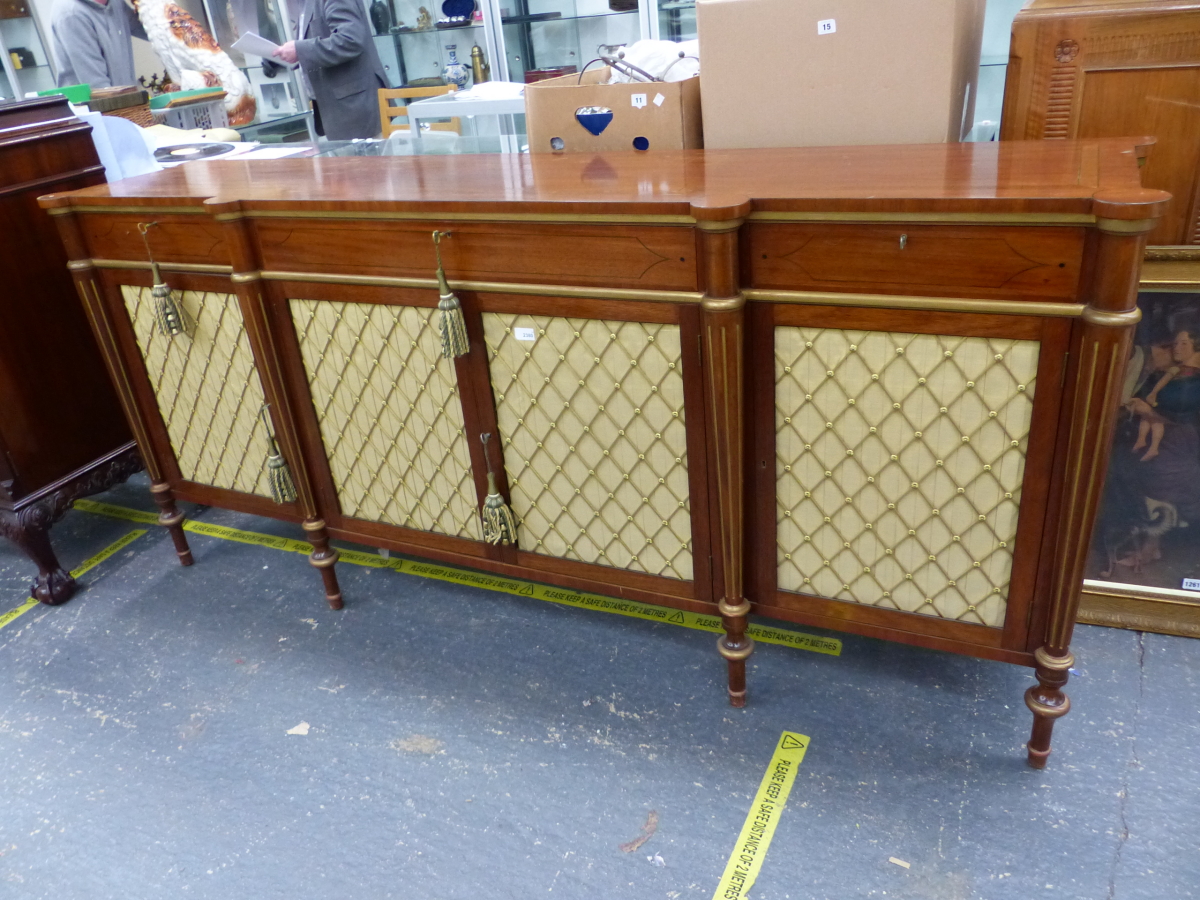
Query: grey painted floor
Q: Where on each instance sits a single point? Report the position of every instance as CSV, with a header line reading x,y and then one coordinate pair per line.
x,y
467,744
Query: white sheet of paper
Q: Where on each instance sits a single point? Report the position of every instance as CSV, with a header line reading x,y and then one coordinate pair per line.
x,y
256,45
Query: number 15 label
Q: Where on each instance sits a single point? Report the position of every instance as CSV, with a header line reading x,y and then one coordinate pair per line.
x,y
827,26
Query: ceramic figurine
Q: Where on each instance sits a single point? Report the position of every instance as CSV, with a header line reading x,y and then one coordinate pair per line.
x,y
455,72
424,20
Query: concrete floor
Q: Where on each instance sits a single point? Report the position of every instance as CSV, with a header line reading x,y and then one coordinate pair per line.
x,y
468,744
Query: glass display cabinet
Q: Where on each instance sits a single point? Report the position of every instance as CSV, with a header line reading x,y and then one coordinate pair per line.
x,y
27,67
676,20
519,40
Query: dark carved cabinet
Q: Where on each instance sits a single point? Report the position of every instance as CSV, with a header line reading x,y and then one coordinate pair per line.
x,y
62,432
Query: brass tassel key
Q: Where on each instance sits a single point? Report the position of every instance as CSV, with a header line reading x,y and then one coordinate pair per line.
x,y
451,325
279,476
499,523
167,314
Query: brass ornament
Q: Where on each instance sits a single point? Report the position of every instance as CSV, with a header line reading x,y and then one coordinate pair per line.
x,y
167,313
279,477
499,523
451,326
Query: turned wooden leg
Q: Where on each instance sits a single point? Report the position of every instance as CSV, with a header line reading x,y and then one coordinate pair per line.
x,y
171,518
1047,701
324,558
736,647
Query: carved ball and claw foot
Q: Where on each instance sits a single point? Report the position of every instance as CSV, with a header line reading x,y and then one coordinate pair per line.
x,y
736,647
1047,701
29,530
324,558
171,518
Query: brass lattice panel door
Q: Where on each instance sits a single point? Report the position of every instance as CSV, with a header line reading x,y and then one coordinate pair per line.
x,y
592,422
207,388
899,462
390,415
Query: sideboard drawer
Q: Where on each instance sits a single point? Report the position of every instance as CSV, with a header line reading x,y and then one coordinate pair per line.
x,y
938,260
615,256
175,238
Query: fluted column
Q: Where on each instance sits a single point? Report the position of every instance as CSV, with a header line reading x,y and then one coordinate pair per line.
x,y
1102,348
723,336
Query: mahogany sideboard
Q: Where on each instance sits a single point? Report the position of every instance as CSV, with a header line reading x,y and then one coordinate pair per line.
x,y
62,432
865,388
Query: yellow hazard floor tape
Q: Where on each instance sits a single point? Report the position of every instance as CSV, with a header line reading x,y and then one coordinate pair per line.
x,y
562,596
90,563
746,861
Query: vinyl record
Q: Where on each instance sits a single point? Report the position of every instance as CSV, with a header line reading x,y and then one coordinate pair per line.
x,y
184,152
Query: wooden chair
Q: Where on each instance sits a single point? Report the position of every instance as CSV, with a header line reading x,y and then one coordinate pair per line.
x,y
388,113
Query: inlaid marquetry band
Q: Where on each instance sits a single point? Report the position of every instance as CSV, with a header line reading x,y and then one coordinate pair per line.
x,y
1122,319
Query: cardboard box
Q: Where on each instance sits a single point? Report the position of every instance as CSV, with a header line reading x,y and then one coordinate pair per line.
x,y
645,116
802,73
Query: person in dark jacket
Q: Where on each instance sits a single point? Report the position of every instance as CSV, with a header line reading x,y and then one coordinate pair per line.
x,y
338,57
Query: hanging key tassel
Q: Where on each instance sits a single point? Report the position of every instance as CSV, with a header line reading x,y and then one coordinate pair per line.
x,y
167,313
499,523
451,325
279,476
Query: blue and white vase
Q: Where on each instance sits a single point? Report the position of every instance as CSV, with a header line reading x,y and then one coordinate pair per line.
x,y
455,72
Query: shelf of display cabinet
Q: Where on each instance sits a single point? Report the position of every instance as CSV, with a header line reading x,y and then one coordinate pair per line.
x,y
449,30
514,20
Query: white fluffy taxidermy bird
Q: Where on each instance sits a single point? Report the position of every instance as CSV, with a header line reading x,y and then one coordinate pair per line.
x,y
193,59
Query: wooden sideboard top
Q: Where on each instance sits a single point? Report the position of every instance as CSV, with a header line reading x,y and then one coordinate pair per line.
x,y
1073,178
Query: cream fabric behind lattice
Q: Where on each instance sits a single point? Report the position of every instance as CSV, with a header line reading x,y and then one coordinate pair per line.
x,y
899,463
390,414
207,389
591,415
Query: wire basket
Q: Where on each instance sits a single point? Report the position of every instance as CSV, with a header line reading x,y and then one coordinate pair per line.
x,y
138,115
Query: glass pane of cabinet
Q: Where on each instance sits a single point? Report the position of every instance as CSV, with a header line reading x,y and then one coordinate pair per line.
x,y
541,38
26,55
677,20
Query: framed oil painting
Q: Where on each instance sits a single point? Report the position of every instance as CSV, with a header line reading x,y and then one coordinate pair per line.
x,y
1144,568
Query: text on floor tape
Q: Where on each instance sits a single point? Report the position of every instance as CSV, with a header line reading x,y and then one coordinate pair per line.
x,y
561,596
751,849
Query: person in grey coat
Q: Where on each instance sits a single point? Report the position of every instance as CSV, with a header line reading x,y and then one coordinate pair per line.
x,y
91,42
337,55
